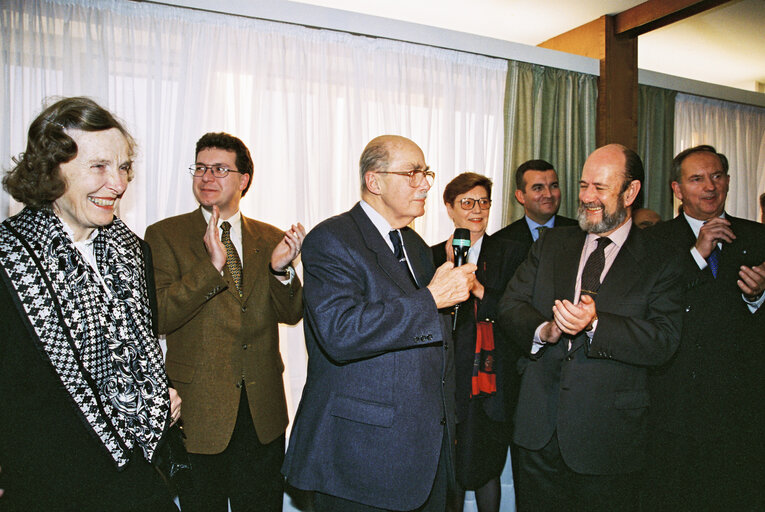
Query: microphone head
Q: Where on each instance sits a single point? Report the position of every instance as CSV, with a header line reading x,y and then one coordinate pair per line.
x,y
461,238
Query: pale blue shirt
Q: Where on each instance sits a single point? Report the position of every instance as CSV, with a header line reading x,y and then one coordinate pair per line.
x,y
534,225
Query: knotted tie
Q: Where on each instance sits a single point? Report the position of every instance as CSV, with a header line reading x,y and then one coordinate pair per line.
x,y
714,260
232,258
594,267
540,230
398,251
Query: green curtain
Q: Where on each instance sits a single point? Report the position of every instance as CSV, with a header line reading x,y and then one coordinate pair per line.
x,y
549,114
656,129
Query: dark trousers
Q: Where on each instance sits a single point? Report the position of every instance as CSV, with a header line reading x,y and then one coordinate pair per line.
x,y
684,474
436,501
545,483
246,472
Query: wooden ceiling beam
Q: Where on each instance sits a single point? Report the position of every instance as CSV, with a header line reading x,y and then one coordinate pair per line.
x,y
612,39
655,14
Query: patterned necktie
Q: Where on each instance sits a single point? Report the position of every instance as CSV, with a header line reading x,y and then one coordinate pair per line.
x,y
398,251
594,267
232,258
540,230
714,260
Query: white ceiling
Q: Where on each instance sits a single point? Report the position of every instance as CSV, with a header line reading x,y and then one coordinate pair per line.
x,y
725,45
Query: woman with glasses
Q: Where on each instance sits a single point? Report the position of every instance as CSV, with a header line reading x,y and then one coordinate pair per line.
x,y
485,360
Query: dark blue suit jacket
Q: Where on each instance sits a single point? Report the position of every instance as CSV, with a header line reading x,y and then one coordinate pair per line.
x,y
380,386
593,395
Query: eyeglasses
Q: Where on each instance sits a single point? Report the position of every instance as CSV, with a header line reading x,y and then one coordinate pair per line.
x,y
467,203
218,171
415,176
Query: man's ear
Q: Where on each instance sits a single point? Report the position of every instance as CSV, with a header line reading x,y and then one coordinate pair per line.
x,y
677,191
631,193
244,179
519,197
371,179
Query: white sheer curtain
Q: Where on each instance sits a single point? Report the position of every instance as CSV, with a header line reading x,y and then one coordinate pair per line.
x,y
305,101
736,130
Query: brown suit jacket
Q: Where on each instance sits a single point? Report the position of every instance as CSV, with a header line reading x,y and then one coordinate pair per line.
x,y
216,339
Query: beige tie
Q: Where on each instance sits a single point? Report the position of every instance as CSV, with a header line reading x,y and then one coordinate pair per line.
x,y
232,258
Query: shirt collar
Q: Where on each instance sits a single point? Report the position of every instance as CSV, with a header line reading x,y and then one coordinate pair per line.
x,y
379,222
618,237
475,251
696,224
533,225
235,220
83,243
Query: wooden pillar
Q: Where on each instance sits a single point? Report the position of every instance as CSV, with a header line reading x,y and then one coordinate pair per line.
x,y
618,89
613,41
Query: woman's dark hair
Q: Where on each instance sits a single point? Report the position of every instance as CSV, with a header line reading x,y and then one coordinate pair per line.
x,y
463,183
36,180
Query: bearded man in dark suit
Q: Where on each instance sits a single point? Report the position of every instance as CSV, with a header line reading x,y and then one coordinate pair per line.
x,y
581,418
708,417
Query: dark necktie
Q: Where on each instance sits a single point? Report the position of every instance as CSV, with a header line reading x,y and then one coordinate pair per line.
x,y
232,258
540,230
714,260
398,251
594,267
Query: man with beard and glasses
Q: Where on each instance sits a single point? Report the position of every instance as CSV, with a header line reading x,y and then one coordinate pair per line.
x,y
581,418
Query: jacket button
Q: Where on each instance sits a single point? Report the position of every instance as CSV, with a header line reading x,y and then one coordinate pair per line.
x,y
244,347
443,421
244,308
569,358
239,385
430,337
687,309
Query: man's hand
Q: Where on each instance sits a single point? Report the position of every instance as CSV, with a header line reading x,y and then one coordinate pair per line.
x,y
574,318
212,241
175,406
712,232
752,281
288,249
451,285
550,333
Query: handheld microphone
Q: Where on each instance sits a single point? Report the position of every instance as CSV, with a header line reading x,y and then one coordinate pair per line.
x,y
460,246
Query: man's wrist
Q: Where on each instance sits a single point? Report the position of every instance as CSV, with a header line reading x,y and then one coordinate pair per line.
x,y
280,273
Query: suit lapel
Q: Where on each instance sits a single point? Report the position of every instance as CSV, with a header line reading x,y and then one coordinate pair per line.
x,y
566,267
421,261
253,258
567,264
374,242
623,274
196,233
